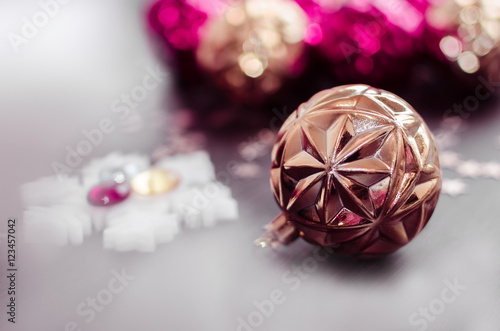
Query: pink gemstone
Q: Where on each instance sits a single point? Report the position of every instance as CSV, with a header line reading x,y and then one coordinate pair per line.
x,y
106,194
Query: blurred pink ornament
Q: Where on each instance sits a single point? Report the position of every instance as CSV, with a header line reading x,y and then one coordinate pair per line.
x,y
366,40
178,22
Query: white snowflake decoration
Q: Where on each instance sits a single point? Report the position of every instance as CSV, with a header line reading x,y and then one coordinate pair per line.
x,y
57,210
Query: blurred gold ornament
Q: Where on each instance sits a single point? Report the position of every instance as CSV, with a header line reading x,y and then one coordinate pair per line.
x,y
154,181
472,37
253,46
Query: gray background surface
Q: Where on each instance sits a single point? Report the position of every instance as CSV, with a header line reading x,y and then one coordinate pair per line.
x,y
64,80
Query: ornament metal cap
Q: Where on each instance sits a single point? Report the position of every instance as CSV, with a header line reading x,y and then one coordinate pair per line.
x,y
355,168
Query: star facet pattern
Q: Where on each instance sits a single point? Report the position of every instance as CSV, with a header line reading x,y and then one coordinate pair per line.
x,y
357,168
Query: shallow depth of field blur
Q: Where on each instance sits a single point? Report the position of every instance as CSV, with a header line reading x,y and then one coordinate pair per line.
x,y
92,91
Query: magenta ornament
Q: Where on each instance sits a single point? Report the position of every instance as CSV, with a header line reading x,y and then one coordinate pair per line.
x,y
178,22
369,41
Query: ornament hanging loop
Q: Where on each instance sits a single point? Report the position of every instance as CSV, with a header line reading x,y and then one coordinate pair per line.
x,y
279,232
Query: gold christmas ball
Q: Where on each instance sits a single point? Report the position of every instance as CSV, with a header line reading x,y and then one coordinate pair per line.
x,y
354,168
253,46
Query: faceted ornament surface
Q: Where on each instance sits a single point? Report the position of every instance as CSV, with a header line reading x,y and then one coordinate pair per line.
x,y
356,168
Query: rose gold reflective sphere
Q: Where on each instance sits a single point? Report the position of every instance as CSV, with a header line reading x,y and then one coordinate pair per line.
x,y
355,168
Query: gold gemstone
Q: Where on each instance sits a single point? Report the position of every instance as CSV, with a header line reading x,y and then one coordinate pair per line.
x,y
154,181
